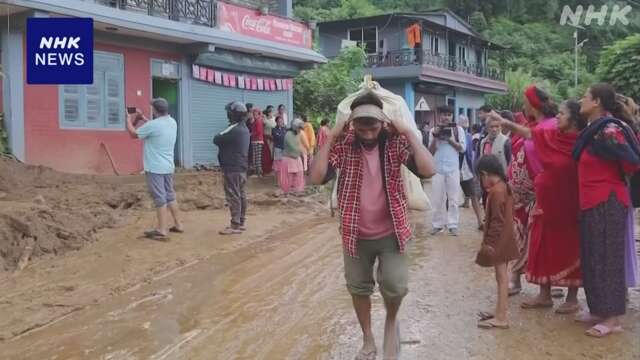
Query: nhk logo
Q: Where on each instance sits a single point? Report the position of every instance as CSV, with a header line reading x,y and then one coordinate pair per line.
x,y
60,51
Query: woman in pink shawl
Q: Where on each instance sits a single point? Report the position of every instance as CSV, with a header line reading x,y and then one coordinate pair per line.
x,y
524,167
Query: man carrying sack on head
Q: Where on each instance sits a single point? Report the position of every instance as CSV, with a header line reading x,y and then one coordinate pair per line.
x,y
369,151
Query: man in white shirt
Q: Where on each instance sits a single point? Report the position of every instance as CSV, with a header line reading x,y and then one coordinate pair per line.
x,y
447,142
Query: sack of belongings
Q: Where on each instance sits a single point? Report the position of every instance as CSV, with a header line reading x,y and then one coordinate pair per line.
x,y
395,108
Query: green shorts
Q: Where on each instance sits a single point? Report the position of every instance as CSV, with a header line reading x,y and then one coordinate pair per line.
x,y
393,268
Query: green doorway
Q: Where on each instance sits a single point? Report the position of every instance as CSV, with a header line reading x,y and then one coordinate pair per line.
x,y
169,89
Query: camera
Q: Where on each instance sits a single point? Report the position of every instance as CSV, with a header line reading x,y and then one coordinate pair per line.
x,y
446,131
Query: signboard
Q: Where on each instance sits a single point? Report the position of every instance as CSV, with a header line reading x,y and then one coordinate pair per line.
x,y
422,105
250,22
60,51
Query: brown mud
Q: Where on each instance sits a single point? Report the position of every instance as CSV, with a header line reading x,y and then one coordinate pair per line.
x,y
276,292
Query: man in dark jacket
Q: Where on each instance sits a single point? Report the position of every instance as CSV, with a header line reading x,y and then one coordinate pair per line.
x,y
233,144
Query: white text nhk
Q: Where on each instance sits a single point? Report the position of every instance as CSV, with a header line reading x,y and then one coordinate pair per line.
x,y
58,58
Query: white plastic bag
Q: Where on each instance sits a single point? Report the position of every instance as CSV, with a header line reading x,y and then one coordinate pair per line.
x,y
395,108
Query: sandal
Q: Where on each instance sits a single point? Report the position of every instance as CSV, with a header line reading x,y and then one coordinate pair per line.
x,y
155,235
491,324
175,229
601,330
586,318
557,293
485,315
514,290
364,355
230,231
567,308
533,304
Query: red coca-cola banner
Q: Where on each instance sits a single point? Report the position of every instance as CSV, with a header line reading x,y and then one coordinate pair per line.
x,y
250,22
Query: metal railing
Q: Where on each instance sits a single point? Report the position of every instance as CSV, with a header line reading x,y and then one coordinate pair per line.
x,y
201,12
416,57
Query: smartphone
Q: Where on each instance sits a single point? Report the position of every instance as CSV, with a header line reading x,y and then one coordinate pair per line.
x,y
132,110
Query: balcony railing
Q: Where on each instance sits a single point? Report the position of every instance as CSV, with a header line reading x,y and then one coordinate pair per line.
x,y
201,12
416,57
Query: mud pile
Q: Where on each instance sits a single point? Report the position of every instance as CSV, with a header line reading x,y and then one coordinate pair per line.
x,y
45,212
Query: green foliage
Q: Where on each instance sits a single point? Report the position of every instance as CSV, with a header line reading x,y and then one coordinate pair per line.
x,y
317,92
619,65
517,81
344,9
478,21
530,30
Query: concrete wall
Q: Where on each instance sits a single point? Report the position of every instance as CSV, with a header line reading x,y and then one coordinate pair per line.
x,y
80,150
469,100
393,32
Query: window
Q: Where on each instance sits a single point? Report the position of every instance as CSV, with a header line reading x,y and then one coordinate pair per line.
x,y
100,105
462,53
435,45
367,38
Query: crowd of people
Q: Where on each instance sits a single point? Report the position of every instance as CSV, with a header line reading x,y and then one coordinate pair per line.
x,y
556,188
281,147
558,185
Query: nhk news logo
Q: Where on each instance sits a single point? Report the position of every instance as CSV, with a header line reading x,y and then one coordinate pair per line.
x,y
60,51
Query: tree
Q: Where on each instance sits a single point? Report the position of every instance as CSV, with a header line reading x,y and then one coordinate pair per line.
x,y
478,21
317,92
619,66
517,81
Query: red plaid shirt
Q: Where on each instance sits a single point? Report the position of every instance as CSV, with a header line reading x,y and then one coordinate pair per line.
x,y
346,156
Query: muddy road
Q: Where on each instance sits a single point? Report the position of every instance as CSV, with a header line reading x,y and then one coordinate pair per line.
x,y
276,292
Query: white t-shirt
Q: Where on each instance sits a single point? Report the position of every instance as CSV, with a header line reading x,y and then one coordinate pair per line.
x,y
447,157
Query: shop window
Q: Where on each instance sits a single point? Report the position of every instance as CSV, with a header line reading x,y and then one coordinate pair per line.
x,y
99,105
366,38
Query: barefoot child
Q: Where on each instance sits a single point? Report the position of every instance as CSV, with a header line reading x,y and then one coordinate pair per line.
x,y
498,243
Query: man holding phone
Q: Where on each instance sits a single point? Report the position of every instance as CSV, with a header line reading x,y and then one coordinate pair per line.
x,y
159,136
447,142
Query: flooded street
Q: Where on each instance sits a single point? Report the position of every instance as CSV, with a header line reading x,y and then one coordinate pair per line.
x,y
276,292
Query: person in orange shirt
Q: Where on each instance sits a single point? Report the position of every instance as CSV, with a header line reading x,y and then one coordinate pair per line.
x,y
309,141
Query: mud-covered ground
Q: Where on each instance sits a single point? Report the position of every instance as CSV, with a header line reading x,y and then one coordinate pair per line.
x,y
276,292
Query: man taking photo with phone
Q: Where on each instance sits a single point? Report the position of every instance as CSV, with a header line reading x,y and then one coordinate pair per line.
x,y
159,136
447,142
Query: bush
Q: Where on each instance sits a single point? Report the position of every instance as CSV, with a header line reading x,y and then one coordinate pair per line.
x,y
317,92
619,66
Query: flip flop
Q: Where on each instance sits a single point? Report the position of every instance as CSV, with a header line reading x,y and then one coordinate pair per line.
x,y
586,318
536,305
490,324
557,293
601,330
565,309
175,229
485,315
155,235
363,355
514,291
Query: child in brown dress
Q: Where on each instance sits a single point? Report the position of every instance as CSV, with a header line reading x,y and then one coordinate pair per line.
x,y
498,243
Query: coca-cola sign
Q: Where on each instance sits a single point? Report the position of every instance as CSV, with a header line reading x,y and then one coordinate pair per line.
x,y
250,22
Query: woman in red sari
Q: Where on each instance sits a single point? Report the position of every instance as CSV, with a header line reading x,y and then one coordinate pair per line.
x,y
525,166
554,247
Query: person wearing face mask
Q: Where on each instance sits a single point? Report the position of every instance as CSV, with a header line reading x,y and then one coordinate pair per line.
x,y
368,152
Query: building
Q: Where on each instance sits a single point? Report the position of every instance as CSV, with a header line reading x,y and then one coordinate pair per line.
x,y
199,54
431,58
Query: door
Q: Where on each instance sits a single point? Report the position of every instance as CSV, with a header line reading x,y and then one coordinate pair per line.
x,y
169,89
208,118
